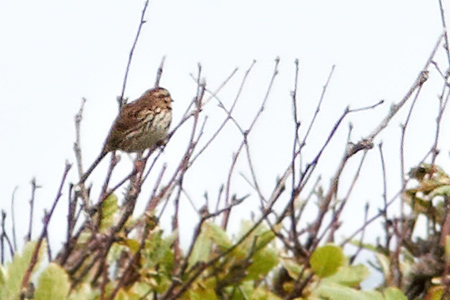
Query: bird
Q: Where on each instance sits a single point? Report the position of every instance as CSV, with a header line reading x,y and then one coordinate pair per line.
x,y
140,125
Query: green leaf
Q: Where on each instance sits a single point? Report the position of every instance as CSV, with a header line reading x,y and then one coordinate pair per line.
x,y
158,252
350,275
2,277
294,269
333,291
109,209
53,284
264,238
366,246
142,289
244,291
441,191
435,293
82,292
132,244
157,262
121,295
384,262
263,262
263,294
201,250
257,240
2,282
217,234
326,260
394,294
372,295
259,231
202,290
16,270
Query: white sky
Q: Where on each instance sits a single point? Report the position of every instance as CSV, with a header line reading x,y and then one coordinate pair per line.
x,y
54,53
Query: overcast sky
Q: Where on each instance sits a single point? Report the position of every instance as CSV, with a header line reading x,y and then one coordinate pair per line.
x,y
53,53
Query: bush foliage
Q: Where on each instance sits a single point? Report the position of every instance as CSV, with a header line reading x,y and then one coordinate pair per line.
x,y
113,251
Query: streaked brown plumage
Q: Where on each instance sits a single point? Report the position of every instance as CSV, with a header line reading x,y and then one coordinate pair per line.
x,y
140,125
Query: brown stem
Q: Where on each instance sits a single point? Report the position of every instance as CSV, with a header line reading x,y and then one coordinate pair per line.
x,y
92,167
34,257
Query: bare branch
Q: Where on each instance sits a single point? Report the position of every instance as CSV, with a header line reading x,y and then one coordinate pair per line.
x,y
13,220
444,25
34,187
319,104
160,71
421,79
47,218
121,99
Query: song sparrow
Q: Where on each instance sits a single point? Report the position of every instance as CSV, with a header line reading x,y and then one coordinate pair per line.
x,y
140,125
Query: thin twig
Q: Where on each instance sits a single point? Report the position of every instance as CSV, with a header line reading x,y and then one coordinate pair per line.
x,y
244,141
77,144
384,210
130,56
294,192
361,240
442,106
48,216
160,71
319,104
188,154
229,112
153,201
444,25
421,79
13,220
334,224
34,187
3,237
113,163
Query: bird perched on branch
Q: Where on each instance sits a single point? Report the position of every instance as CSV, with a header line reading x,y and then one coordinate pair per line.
x,y
140,125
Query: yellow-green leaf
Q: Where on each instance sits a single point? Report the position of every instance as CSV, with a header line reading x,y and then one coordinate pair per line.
x,y
264,238
132,244
333,291
394,294
294,269
202,290
384,262
217,234
2,278
157,252
263,294
16,270
350,275
435,293
372,295
201,249
109,209
52,284
441,191
326,260
82,292
263,262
